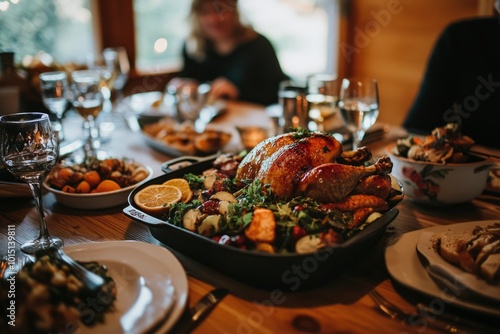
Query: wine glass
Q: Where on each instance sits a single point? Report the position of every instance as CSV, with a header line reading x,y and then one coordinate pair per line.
x,y
191,97
322,97
88,101
117,60
29,150
359,106
54,87
106,70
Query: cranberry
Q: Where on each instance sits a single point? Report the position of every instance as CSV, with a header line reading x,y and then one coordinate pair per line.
x,y
210,207
239,241
298,232
206,194
298,207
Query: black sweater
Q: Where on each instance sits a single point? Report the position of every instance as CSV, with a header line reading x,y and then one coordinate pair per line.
x,y
462,82
252,67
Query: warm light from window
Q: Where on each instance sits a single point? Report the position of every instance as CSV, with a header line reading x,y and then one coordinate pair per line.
x,y
160,45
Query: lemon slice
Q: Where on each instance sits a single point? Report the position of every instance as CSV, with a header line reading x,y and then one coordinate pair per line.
x,y
183,185
156,198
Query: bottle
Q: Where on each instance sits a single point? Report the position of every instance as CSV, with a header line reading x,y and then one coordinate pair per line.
x,y
12,85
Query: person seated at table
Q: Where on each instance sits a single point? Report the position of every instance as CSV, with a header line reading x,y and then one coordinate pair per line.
x,y
462,82
237,61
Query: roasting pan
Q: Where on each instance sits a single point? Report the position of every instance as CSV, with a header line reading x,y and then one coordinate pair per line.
x,y
288,272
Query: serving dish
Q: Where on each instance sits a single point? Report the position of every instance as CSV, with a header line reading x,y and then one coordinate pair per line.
x,y
177,140
287,271
152,286
96,201
440,184
405,267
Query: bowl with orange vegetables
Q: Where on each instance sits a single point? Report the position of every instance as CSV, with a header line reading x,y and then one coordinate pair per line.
x,y
96,183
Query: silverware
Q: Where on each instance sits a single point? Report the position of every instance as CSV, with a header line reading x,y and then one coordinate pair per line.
x,y
428,311
491,156
413,319
203,308
92,282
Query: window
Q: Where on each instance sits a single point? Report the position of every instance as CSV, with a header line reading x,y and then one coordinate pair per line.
x,y
160,27
300,30
61,28
303,32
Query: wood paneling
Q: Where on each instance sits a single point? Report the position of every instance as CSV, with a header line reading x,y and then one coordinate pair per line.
x,y
391,41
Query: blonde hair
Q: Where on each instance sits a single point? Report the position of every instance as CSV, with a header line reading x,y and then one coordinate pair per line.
x,y
197,43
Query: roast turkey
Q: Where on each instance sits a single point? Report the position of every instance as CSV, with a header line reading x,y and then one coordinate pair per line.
x,y
281,161
314,164
332,182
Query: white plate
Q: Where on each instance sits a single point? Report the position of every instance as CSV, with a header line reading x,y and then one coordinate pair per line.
x,y
470,281
152,286
404,266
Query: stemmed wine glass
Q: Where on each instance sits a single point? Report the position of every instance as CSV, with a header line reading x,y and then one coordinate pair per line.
x,y
107,72
88,101
191,98
359,106
55,90
117,60
29,150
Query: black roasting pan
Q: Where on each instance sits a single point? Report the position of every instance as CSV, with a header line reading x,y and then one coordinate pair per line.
x,y
289,272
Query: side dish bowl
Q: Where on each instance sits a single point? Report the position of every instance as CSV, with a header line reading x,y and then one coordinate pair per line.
x,y
440,184
96,201
286,271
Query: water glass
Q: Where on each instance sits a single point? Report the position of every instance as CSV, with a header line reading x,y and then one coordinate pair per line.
x,y
292,99
359,106
322,98
55,96
88,101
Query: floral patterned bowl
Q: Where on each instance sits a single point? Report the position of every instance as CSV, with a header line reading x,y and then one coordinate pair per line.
x,y
441,184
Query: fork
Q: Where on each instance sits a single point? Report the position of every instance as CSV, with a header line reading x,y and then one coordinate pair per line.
x,y
413,319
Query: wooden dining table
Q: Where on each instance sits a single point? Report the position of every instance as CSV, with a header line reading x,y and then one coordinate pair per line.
x,y
342,305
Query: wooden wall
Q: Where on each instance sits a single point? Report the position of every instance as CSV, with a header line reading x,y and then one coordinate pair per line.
x,y
390,40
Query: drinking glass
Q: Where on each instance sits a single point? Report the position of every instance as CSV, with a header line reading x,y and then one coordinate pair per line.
x,y
55,90
29,150
191,98
117,60
88,101
294,106
359,106
322,97
106,70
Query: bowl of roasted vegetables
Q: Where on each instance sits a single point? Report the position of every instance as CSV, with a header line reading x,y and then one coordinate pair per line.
x,y
296,202
96,183
439,169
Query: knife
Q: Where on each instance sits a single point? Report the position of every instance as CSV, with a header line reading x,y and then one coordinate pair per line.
x,y
203,308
